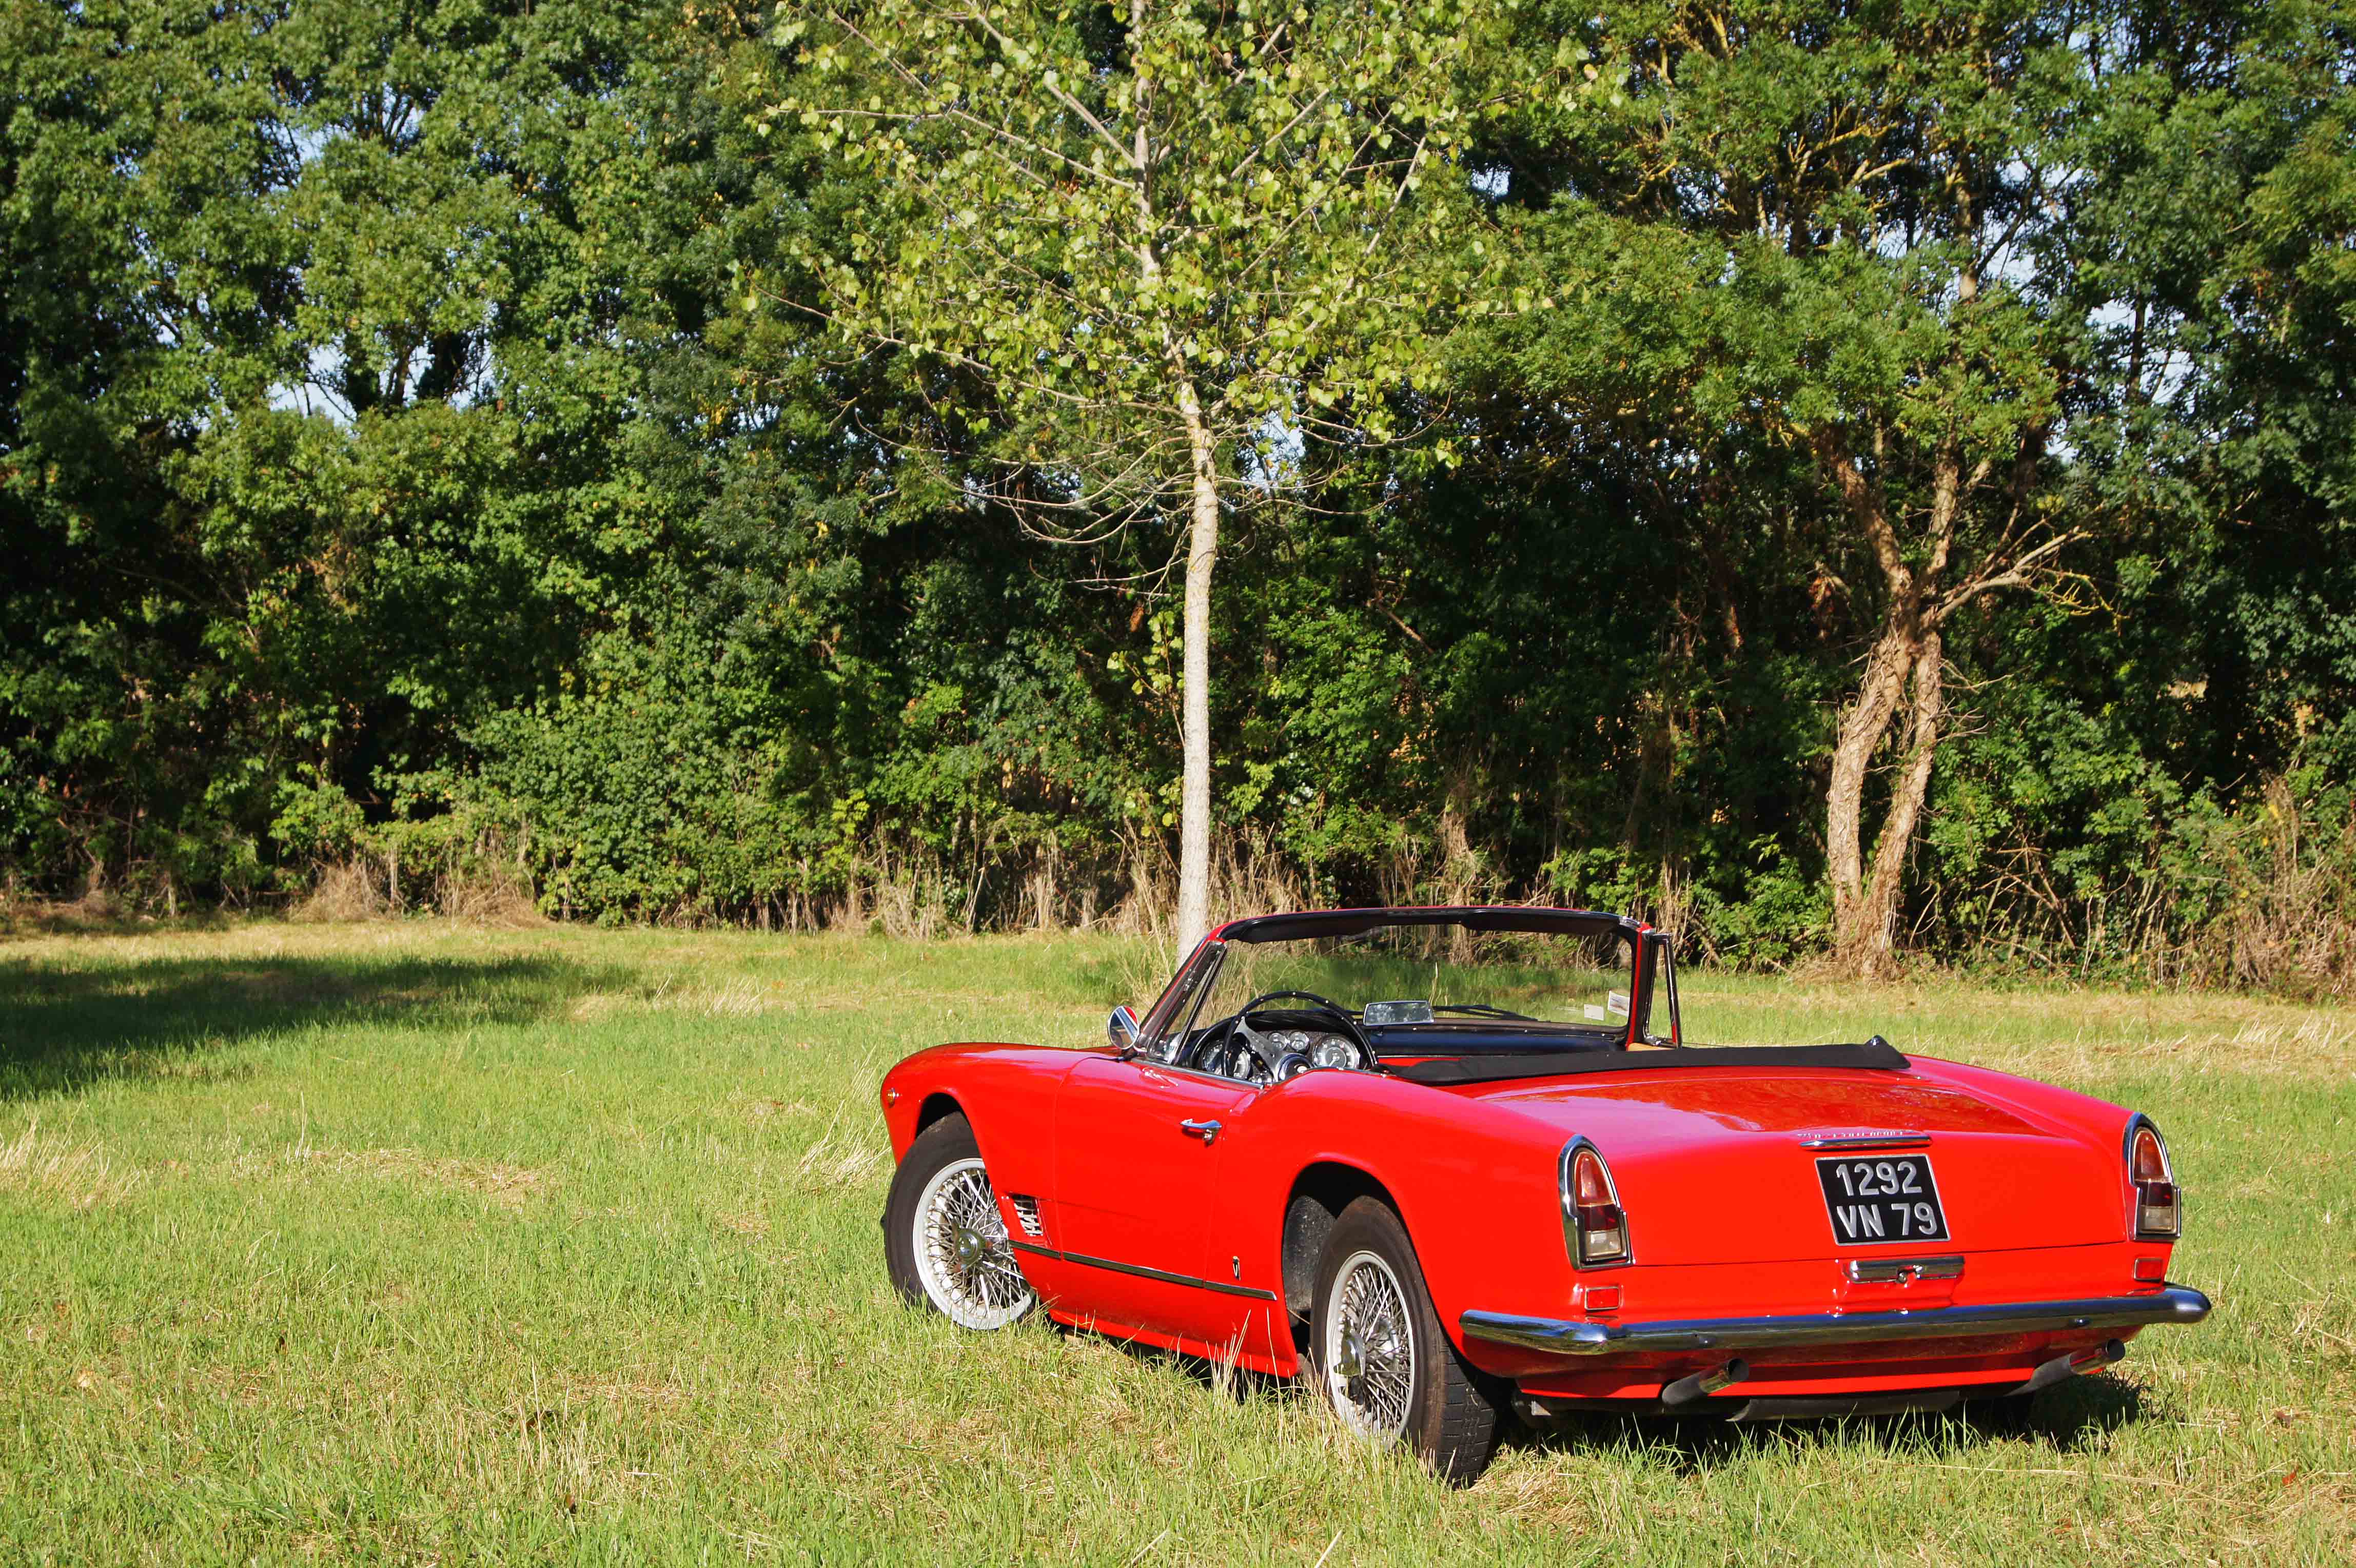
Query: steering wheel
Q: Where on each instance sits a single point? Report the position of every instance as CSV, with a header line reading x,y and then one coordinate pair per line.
x,y
1341,1016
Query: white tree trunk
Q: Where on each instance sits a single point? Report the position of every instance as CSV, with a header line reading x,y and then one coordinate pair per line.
x,y
1194,792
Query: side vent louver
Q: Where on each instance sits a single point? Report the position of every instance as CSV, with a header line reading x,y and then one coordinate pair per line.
x,y
1026,1213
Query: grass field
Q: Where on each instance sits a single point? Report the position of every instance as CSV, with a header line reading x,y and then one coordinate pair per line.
x,y
420,1241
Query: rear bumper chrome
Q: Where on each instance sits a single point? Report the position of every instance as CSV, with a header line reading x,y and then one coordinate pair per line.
x,y
1570,1336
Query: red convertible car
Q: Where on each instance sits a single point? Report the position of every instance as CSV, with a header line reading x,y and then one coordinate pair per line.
x,y
1453,1164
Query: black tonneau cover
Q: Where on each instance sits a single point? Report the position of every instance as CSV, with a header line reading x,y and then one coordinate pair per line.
x,y
1876,1053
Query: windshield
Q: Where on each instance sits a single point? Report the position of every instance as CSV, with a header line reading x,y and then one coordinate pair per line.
x,y
1423,986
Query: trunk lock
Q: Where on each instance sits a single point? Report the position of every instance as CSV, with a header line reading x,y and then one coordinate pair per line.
x,y
1904,1271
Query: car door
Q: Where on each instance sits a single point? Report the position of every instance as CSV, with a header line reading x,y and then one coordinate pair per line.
x,y
1137,1161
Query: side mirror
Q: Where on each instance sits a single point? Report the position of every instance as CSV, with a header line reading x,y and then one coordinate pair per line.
x,y
1121,1028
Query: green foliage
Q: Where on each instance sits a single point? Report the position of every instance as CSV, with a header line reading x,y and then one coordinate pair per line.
x,y
1131,222
432,440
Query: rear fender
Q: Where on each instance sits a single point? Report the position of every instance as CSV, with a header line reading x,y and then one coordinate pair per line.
x,y
1477,1188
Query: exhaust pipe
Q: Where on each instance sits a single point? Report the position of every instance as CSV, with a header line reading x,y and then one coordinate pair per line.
x,y
2070,1365
1700,1386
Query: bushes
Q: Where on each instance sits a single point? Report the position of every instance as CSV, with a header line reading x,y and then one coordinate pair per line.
x,y
452,853
2279,877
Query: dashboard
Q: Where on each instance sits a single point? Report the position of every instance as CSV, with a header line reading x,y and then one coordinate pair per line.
x,y
1271,1045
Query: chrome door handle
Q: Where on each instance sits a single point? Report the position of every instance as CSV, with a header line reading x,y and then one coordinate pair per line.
x,y
1206,1131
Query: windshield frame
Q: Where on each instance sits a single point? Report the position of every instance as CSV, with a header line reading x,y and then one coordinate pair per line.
x,y
1648,950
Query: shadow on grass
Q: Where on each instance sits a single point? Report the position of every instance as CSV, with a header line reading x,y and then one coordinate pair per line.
x,y
2068,1418
62,1029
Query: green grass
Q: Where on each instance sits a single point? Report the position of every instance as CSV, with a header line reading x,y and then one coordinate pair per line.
x,y
418,1241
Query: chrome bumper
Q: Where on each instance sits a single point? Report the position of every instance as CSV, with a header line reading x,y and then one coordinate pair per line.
x,y
1566,1337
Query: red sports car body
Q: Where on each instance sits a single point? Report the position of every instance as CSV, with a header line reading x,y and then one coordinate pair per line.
x,y
1444,1210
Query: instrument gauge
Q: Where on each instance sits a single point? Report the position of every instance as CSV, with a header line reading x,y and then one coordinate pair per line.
x,y
1333,1050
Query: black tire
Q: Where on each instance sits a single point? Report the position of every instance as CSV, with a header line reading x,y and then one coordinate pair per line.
x,y
1452,1409
947,1142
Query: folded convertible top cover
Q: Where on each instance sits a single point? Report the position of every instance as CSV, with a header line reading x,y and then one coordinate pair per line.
x,y
1876,1053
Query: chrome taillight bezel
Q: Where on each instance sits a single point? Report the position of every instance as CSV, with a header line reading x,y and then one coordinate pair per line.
x,y
1574,1233
2138,1125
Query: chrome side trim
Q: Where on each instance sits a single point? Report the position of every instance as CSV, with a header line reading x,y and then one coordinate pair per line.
x,y
1141,1271
1571,1337
1870,1141
1866,1270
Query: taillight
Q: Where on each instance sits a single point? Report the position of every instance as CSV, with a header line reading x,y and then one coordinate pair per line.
x,y
1593,1224
2157,1210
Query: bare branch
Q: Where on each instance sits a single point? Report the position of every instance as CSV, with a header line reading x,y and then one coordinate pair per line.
x,y
2020,574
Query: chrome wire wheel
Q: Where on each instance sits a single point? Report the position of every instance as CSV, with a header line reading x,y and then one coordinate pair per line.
x,y
1369,1347
962,1257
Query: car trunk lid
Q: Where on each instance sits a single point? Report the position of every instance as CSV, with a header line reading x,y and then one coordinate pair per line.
x,y
1720,1164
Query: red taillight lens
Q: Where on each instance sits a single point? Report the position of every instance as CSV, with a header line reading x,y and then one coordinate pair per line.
x,y
1589,1187
1598,1229
2158,1212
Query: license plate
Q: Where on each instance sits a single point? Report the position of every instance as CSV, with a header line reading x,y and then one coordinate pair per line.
x,y
1882,1199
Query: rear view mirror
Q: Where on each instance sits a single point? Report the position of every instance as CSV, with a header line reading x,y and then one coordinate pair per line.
x,y
1121,1028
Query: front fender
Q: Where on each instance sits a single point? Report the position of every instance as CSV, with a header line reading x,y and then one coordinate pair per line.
x,y
1006,1092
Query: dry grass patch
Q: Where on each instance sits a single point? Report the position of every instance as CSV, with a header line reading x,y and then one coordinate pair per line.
x,y
77,1175
733,998
838,1160
510,1185
598,1005
631,1393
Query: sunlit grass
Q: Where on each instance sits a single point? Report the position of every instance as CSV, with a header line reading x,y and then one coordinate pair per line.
x,y
414,1241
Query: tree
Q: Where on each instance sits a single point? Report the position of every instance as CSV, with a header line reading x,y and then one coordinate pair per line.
x,y
404,218
1137,253
1859,233
131,244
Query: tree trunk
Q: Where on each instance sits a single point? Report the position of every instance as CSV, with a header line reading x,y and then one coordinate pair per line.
x,y
1195,791
1862,726
1875,928
1908,651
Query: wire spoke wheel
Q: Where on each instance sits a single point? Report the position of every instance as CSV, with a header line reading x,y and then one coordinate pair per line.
x,y
1369,1348
962,1256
